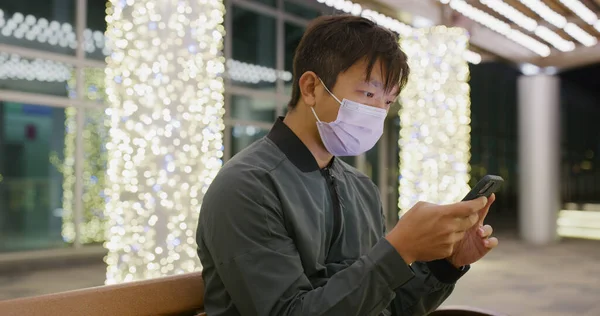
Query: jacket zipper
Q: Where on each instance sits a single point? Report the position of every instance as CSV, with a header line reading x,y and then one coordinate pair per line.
x,y
335,199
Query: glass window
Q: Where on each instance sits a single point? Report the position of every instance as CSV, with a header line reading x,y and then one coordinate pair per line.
x,y
253,50
246,108
35,76
300,10
271,3
31,179
243,136
293,34
39,24
93,80
94,32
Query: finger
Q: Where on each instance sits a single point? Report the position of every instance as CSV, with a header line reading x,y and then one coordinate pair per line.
x,y
485,231
465,208
457,236
483,214
491,200
465,223
490,243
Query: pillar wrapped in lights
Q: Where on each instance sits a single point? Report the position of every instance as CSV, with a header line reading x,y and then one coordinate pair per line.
x,y
165,90
434,118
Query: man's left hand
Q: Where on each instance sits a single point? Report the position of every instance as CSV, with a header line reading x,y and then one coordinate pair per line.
x,y
476,242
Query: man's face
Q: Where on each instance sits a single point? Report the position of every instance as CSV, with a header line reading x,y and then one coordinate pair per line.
x,y
352,85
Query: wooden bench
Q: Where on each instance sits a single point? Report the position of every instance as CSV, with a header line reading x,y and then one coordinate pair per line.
x,y
175,295
181,295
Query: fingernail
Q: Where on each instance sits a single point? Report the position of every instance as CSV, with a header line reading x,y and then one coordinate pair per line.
x,y
485,201
486,242
481,231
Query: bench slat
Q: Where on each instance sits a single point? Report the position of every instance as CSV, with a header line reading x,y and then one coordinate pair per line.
x,y
163,296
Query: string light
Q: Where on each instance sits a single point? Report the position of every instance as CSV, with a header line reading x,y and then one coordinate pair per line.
x,y
387,22
238,71
12,66
579,224
581,10
164,84
558,20
541,9
435,119
580,35
529,24
393,24
551,37
48,32
500,27
472,57
95,130
244,72
511,13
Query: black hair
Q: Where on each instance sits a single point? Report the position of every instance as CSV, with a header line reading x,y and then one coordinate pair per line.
x,y
332,44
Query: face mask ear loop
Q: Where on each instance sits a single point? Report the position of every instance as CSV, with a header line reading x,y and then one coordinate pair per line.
x,y
324,86
315,113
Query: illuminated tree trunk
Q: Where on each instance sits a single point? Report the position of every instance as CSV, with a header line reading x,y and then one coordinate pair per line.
x,y
164,84
435,118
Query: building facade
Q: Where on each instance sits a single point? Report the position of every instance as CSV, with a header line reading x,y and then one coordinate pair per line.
x,y
54,108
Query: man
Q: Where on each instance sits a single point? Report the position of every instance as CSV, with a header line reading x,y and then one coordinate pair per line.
x,y
288,229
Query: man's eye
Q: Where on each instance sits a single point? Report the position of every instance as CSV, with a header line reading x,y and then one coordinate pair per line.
x,y
389,102
369,94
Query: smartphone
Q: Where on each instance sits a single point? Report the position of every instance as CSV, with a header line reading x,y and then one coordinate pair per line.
x,y
485,187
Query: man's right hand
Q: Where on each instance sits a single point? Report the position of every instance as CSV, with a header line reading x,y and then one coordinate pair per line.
x,y
428,231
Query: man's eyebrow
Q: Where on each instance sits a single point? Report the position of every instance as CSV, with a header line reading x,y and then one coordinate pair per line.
x,y
379,85
375,83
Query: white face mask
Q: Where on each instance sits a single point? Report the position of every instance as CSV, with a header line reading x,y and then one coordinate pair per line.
x,y
356,130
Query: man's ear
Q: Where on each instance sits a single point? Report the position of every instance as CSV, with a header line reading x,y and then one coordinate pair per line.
x,y
309,81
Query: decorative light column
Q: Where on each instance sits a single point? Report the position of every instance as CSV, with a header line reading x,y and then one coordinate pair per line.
x,y
435,118
165,90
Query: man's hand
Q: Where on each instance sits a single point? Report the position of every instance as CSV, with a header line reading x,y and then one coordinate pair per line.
x,y
476,242
429,232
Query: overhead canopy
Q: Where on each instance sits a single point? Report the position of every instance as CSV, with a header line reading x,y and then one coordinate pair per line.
x,y
559,33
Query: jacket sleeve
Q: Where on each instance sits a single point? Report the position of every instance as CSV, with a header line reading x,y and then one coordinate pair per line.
x,y
433,282
257,260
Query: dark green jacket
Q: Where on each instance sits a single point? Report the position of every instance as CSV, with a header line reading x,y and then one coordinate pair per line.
x,y
278,236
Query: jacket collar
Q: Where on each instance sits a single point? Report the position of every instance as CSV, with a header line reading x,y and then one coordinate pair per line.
x,y
293,147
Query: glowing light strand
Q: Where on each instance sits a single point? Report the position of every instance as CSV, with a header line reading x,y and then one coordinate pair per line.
x,y
435,119
579,224
12,66
558,20
95,130
385,21
529,24
500,27
164,84
54,33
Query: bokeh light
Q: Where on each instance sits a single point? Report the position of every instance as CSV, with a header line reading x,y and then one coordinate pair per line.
x,y
165,89
435,118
